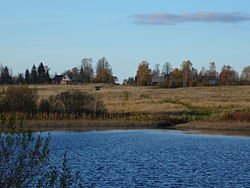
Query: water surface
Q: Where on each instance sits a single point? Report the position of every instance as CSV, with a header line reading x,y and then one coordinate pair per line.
x,y
155,158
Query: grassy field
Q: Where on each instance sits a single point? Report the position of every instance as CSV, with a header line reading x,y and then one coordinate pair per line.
x,y
209,103
119,99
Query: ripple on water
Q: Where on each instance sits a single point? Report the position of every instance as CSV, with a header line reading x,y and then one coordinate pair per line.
x,y
155,158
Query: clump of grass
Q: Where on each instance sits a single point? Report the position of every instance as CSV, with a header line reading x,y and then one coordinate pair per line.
x,y
236,116
145,96
125,95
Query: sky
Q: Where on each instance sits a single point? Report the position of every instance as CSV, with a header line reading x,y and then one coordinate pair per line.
x,y
60,33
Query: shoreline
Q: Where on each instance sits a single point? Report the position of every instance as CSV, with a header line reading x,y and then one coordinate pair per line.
x,y
196,127
237,128
46,125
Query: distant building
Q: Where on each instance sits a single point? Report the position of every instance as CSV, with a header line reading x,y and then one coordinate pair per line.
x,y
158,79
57,79
63,79
66,80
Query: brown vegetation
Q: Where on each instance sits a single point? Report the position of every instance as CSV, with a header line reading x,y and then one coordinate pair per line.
x,y
213,103
127,99
216,125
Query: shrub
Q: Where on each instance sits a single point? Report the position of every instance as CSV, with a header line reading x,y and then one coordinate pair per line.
x,y
74,102
45,106
18,99
25,160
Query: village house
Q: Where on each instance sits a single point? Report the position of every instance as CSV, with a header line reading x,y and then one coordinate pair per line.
x,y
66,80
63,79
158,79
57,79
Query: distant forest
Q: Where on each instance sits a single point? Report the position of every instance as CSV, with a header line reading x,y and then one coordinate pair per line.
x,y
167,76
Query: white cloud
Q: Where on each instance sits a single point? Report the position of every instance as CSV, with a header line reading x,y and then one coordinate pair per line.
x,y
207,17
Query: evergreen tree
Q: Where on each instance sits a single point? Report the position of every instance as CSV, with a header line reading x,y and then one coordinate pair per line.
x,y
5,75
33,75
27,76
20,79
41,74
47,77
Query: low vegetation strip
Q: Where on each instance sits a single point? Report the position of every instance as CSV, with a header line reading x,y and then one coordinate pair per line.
x,y
38,125
217,125
196,112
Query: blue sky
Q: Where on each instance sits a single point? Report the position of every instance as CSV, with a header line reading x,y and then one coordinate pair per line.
x,y
62,32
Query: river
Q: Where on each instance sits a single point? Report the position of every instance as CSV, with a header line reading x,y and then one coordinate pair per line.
x,y
154,158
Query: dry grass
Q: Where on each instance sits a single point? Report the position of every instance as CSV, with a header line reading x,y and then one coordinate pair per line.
x,y
85,125
216,125
125,99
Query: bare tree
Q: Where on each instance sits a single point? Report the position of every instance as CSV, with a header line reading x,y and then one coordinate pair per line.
x,y
187,70
86,71
212,74
166,69
156,71
245,76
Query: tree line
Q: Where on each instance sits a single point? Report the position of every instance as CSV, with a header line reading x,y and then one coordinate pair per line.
x,y
35,75
84,73
187,75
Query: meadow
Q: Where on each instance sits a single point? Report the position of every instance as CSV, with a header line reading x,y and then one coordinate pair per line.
x,y
136,99
211,104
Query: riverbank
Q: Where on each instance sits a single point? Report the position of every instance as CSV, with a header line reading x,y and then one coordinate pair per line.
x,y
51,125
216,127
205,127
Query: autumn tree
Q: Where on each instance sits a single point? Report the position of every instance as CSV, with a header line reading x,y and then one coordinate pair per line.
x,y
245,76
104,72
212,74
228,76
203,79
86,71
176,78
143,75
187,72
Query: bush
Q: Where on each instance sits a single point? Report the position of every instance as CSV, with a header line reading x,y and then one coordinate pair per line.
x,y
25,162
74,102
18,99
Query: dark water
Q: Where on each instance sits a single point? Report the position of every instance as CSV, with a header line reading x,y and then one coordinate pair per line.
x,y
155,158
